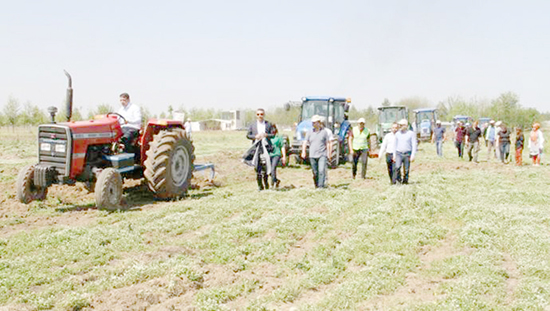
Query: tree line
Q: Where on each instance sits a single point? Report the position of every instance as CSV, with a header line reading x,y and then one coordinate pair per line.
x,y
505,107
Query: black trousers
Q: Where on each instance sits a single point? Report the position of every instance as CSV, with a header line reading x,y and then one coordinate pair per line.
x,y
391,164
129,135
261,176
360,154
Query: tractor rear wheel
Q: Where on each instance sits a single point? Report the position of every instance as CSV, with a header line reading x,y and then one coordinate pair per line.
x,y
169,165
27,191
108,189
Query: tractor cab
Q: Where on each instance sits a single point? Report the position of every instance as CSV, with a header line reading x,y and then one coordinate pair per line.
x,y
333,111
386,117
424,123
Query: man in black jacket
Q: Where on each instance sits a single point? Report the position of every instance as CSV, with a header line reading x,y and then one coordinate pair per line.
x,y
258,131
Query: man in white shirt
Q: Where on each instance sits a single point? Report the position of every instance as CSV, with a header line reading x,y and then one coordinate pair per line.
x,y
388,149
130,121
405,151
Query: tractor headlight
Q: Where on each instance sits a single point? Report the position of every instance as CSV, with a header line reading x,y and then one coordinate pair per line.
x,y
60,148
45,147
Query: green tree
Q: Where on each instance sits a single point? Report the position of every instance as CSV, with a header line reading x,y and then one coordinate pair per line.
x,y
146,115
11,111
170,112
77,116
443,111
505,108
25,117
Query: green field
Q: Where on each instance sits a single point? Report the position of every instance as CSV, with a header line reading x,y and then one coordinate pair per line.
x,y
461,236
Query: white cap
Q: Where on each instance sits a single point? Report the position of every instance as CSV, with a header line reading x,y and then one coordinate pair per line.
x,y
498,123
316,118
361,120
403,122
438,122
492,121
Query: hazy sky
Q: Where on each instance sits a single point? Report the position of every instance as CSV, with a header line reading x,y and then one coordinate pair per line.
x,y
237,54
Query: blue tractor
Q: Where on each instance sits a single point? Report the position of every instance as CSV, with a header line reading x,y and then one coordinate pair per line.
x,y
425,123
333,110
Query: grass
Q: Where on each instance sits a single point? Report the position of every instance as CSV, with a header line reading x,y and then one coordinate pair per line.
x,y
461,236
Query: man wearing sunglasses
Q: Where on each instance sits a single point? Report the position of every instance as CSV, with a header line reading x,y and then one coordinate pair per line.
x,y
258,132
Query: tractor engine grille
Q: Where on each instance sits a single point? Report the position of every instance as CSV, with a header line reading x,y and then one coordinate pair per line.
x,y
55,148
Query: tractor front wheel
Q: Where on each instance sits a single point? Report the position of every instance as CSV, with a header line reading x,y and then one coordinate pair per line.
x,y
169,165
27,191
108,189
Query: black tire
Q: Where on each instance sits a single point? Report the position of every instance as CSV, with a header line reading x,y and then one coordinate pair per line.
x,y
108,189
169,164
335,155
27,191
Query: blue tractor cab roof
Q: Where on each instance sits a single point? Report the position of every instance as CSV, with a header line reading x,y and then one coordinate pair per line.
x,y
425,110
461,117
323,98
484,119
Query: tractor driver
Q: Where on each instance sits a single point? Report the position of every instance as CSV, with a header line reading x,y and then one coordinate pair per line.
x,y
131,124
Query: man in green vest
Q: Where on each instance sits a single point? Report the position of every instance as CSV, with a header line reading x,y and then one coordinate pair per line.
x,y
359,147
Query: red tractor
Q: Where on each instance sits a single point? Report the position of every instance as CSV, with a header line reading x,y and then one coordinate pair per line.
x,y
90,152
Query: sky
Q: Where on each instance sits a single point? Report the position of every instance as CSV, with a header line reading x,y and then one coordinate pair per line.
x,y
250,54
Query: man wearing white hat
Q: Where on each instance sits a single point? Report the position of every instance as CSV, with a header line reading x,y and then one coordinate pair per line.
x,y
319,151
405,151
359,147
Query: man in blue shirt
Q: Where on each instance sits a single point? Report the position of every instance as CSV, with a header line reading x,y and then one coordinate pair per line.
x,y
405,151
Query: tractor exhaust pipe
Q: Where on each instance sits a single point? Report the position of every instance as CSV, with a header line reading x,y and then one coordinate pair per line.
x,y
69,100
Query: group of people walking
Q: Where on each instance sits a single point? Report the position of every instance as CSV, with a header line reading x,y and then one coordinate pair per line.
x,y
398,148
498,140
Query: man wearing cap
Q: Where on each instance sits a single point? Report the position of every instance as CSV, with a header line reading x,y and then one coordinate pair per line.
x,y
359,147
319,151
405,151
438,136
490,136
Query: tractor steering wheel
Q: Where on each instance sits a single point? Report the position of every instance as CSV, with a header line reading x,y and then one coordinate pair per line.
x,y
118,115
